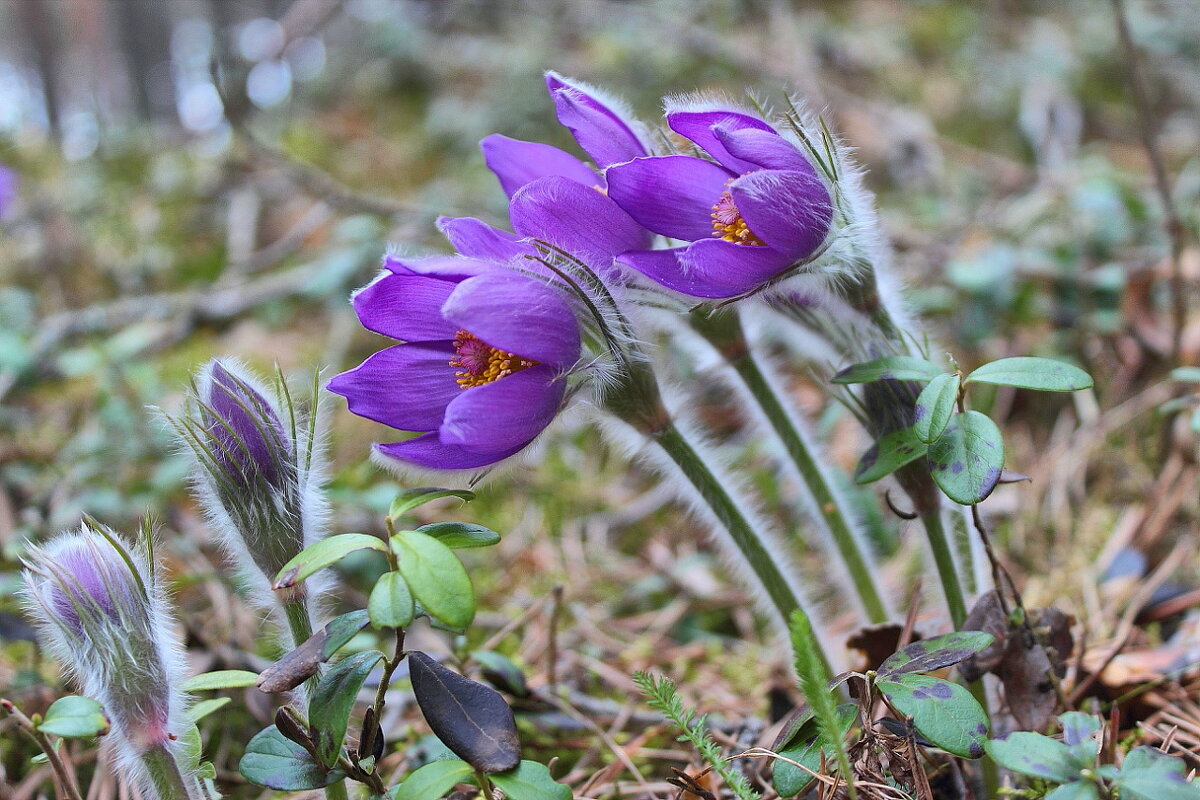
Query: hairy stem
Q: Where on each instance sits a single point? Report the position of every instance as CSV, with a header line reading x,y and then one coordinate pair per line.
x,y
299,622
168,779
943,557
747,540
724,331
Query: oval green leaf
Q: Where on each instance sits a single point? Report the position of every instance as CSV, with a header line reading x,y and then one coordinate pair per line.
x,y
1027,372
322,554
808,748
74,717
433,780
391,603
967,460
460,535
412,498
1034,755
199,711
221,679
331,703
935,406
531,781
927,655
888,455
943,712
890,368
276,762
435,577
471,719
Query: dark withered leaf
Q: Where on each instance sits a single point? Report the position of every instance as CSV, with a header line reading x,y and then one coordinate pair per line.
x,y
471,719
302,663
987,616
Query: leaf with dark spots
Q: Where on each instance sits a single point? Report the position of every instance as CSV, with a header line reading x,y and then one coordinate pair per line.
x,y
937,402
1034,755
943,712
940,651
889,454
331,703
302,663
988,616
276,762
968,458
471,719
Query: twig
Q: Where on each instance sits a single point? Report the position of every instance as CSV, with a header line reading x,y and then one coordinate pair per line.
x,y
1174,226
64,776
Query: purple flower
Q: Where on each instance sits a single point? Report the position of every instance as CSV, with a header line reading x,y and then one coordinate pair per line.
x,y
9,181
749,217
482,367
556,197
247,435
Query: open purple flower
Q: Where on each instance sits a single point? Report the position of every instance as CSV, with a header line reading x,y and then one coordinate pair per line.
x,y
556,197
749,217
482,365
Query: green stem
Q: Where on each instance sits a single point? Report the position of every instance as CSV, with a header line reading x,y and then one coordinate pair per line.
x,y
991,775
337,790
731,517
169,781
298,620
724,331
943,557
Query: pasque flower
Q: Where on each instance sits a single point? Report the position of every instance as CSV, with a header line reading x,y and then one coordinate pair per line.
x,y
482,366
751,214
556,197
100,610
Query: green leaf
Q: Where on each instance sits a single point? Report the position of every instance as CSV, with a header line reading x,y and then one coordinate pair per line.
x,y
391,603
935,406
809,748
221,679
530,781
412,498
322,554
276,762
331,703
927,655
888,455
1034,755
460,535
943,712
1186,374
433,780
1079,734
74,717
205,707
1150,774
1075,790
191,747
967,460
1026,372
891,368
436,578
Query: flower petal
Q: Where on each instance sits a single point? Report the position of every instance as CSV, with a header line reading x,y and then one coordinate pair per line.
x,y
725,269
405,307
519,315
599,129
698,126
766,149
516,163
406,387
509,412
577,218
454,268
671,195
790,211
428,451
475,238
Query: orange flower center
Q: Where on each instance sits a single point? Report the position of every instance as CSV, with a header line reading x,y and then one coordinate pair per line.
x,y
728,224
478,363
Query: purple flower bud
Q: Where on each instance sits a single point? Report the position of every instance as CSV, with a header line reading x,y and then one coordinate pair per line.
x,y
9,182
247,436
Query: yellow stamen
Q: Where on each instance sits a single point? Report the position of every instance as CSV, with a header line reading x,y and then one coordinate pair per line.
x,y
478,363
728,224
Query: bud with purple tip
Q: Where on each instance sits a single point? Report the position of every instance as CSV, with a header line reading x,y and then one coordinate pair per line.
x,y
101,612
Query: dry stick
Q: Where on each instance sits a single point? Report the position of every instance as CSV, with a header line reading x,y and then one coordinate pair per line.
x,y
1174,226
552,644
64,777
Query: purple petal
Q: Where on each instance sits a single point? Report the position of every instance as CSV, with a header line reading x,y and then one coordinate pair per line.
x,y
766,149
671,195
790,211
519,315
698,126
731,269
406,387
678,269
579,219
600,131
428,451
406,307
506,413
247,432
452,268
476,239
516,163
89,576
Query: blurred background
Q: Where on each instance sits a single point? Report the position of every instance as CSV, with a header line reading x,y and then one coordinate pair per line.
x,y
188,178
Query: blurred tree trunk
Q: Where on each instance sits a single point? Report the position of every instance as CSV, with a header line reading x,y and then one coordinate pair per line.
x,y
41,29
146,39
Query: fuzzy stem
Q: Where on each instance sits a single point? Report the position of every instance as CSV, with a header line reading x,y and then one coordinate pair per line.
x,y
730,516
298,620
724,331
169,781
947,572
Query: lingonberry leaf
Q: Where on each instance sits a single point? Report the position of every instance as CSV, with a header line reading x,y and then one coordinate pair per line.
x,y
1034,755
322,554
331,703
460,535
935,406
302,663
927,655
1027,372
531,781
433,780
889,454
412,498
808,748
220,679
74,717
274,761
436,578
943,712
391,603
967,459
